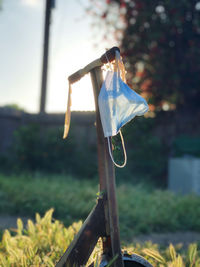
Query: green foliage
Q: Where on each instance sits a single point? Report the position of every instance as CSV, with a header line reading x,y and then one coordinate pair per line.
x,y
43,192
160,44
41,244
142,209
36,148
170,257
156,211
147,155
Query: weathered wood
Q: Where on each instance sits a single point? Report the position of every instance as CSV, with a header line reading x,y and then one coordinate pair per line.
x,y
78,253
109,55
103,220
113,210
97,80
107,177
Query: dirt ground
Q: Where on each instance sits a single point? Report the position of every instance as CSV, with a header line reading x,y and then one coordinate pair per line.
x,y
7,221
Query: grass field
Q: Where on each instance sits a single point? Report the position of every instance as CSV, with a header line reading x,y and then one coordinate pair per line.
x,y
41,244
142,209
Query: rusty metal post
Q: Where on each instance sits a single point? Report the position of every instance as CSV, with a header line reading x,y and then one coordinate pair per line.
x,y
107,175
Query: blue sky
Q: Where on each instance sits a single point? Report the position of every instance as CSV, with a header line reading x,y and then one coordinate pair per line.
x,y
71,48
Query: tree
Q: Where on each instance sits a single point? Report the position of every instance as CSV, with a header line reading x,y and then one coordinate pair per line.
x,y
160,42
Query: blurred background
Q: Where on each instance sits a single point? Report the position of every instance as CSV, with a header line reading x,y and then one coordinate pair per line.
x,y
41,44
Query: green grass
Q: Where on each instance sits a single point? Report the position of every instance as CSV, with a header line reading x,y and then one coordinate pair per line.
x,y
142,209
41,244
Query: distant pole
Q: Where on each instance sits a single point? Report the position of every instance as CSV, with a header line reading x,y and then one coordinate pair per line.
x,y
49,5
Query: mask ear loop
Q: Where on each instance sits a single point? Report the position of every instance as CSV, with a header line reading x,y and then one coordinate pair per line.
x,y
119,65
124,150
122,139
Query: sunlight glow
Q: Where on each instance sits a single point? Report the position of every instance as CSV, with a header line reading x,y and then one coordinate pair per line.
x,y
82,95
32,3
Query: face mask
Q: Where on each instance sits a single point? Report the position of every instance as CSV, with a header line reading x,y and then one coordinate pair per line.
x,y
118,103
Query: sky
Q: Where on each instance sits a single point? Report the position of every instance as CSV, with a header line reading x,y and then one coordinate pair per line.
x,y
72,46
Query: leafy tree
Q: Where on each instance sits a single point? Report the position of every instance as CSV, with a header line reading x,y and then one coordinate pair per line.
x,y
160,42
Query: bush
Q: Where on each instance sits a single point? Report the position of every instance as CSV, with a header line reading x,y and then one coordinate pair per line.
x,y
38,149
147,155
41,244
141,208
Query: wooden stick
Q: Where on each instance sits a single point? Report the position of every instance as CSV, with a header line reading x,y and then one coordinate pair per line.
x,y
109,55
107,176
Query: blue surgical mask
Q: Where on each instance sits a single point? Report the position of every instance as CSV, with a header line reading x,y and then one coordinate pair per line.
x,y
118,103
